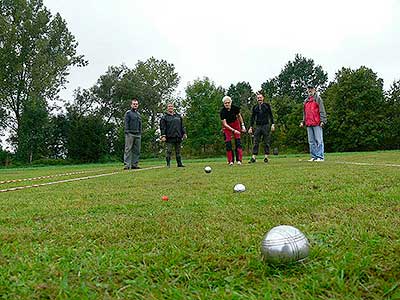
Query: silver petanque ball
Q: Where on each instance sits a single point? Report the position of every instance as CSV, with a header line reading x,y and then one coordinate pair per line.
x,y
284,244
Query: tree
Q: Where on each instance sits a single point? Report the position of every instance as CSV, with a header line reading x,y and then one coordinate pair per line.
x,y
57,137
270,88
287,116
356,106
36,53
294,77
392,117
153,82
203,102
86,139
33,131
112,96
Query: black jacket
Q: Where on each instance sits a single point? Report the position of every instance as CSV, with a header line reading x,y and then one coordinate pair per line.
x,y
171,126
263,116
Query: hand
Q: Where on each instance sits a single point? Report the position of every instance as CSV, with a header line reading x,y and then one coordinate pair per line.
x,y
273,127
301,124
163,139
250,130
185,136
322,124
243,128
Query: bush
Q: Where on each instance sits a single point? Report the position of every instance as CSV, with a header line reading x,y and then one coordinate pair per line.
x,y
5,157
53,162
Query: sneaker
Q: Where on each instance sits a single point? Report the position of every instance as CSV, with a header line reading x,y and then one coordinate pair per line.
x,y
252,161
231,163
239,162
136,167
126,168
312,159
181,166
265,159
319,159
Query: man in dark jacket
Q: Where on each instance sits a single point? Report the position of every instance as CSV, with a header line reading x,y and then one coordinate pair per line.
x,y
261,115
172,132
133,133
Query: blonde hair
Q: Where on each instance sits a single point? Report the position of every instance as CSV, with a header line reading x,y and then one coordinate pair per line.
x,y
227,98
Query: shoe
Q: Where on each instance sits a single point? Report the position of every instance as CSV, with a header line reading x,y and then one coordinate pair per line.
x,y
319,159
312,159
231,163
126,168
252,161
266,160
135,167
239,162
181,166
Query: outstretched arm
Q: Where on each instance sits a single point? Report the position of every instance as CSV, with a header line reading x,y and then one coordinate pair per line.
x,y
225,125
241,122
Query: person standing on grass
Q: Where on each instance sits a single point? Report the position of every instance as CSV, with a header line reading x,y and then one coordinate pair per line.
x,y
232,124
314,118
261,114
133,133
172,132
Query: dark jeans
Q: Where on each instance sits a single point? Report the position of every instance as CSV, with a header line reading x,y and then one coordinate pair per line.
x,y
265,132
176,144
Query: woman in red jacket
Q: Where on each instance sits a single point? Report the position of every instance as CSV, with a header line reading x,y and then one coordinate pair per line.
x,y
314,118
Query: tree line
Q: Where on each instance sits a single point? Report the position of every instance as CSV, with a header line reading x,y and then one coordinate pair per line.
x,y
37,50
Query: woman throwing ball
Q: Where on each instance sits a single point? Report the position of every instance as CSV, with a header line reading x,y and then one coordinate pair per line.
x,y
232,124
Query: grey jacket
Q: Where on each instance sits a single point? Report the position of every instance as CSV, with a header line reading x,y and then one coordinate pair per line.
x,y
322,111
133,122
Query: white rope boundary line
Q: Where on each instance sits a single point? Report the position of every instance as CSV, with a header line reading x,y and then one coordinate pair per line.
x,y
47,176
366,164
70,180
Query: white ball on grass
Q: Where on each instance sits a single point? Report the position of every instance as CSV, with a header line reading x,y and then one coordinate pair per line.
x,y
239,188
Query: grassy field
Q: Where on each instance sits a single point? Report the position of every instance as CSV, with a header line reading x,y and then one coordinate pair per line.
x,y
113,237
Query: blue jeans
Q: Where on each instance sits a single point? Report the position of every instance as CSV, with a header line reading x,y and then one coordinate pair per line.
x,y
316,141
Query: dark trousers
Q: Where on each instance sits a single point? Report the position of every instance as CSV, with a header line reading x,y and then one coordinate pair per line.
x,y
176,145
262,131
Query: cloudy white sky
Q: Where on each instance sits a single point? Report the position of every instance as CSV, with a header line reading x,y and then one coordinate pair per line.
x,y
231,41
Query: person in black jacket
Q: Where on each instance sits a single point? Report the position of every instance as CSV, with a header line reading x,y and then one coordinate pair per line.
x,y
133,133
262,116
172,132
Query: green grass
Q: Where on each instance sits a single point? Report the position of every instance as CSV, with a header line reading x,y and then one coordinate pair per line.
x,y
113,238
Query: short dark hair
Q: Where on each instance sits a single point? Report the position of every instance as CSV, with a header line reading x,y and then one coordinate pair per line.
x,y
310,86
260,92
135,99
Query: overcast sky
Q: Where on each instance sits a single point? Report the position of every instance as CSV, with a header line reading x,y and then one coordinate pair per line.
x,y
231,41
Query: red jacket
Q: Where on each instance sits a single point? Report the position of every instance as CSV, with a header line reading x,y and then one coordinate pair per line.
x,y
311,112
